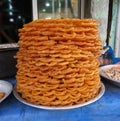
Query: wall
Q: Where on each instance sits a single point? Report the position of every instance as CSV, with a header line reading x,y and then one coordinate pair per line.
x,y
99,10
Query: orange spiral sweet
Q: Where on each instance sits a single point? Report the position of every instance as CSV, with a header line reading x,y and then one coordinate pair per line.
x,y
57,61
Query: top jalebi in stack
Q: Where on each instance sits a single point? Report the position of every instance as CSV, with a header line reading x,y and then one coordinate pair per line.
x,y
83,33
57,61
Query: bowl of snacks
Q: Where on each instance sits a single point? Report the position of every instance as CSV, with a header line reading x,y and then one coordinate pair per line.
x,y
5,89
111,73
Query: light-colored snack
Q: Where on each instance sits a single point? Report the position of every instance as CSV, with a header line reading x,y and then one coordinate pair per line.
x,y
57,61
112,73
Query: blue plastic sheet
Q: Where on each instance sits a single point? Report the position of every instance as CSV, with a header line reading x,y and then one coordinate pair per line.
x,y
108,57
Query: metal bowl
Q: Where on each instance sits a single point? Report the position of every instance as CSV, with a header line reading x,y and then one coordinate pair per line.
x,y
103,75
6,88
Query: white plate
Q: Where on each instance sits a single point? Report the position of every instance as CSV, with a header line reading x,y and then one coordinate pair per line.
x,y
116,82
5,87
62,107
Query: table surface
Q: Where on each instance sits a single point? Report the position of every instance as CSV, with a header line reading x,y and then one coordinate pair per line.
x,y
106,108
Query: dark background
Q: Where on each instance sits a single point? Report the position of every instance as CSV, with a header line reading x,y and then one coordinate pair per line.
x,y
13,14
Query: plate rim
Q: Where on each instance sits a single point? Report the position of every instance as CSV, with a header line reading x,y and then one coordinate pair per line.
x,y
101,93
6,94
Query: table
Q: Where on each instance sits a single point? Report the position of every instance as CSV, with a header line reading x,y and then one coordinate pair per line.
x,y
106,108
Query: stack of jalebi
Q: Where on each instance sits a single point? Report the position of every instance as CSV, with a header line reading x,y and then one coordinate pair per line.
x,y
58,61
